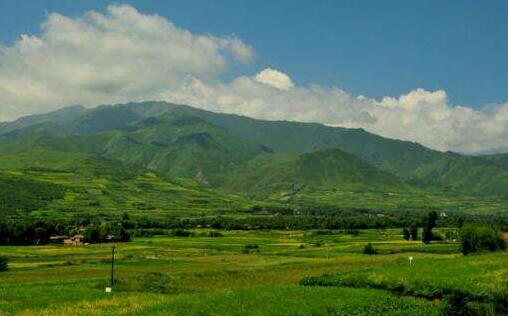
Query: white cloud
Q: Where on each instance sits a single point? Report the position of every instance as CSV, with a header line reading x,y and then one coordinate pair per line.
x,y
275,78
119,56
124,55
421,116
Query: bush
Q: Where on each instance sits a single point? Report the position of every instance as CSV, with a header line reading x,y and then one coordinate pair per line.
x,y
353,232
406,234
413,231
476,238
212,234
251,248
182,233
369,249
4,262
429,225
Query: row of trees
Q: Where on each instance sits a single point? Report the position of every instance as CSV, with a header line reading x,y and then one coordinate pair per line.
x,y
29,231
103,232
474,237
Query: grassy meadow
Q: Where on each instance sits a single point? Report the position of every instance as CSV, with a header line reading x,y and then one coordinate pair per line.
x,y
252,273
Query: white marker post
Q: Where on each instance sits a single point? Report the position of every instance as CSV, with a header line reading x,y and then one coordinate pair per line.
x,y
108,290
410,261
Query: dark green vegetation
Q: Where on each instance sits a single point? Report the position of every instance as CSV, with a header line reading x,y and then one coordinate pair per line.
x,y
369,249
156,158
4,264
476,238
430,223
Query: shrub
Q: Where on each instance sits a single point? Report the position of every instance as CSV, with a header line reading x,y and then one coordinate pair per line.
x,y
406,234
251,248
369,249
429,225
213,234
353,232
323,232
4,262
476,238
182,233
413,231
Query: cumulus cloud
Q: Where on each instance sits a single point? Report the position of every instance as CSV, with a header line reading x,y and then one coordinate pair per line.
x,y
118,56
422,116
123,55
275,78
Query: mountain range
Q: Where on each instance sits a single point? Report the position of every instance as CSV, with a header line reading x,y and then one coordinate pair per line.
x,y
255,159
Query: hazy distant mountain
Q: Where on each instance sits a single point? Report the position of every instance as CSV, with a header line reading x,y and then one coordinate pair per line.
x,y
494,151
61,116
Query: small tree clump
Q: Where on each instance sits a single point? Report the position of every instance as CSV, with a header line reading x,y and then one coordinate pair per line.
x,y
250,248
429,225
4,264
476,238
413,231
369,249
406,234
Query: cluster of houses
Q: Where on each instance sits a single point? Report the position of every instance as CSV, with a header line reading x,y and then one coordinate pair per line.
x,y
76,240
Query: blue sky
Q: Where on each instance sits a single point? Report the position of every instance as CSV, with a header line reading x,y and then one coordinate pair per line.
x,y
432,72
373,48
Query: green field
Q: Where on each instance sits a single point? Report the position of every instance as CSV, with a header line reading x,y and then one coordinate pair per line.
x,y
199,275
292,206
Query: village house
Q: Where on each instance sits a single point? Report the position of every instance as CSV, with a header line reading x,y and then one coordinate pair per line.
x,y
75,240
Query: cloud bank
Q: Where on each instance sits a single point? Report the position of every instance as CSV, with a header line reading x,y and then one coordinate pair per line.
x,y
123,55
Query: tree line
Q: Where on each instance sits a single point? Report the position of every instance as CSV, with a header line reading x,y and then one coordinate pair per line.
x,y
31,231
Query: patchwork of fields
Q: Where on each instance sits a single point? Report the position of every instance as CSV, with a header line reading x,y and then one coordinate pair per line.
x,y
252,273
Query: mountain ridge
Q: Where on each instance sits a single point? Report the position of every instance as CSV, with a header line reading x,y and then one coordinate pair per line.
x,y
182,141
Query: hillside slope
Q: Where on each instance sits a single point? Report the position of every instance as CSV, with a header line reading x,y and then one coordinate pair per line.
x,y
322,169
181,141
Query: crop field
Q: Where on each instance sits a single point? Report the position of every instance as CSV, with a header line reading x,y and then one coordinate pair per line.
x,y
253,273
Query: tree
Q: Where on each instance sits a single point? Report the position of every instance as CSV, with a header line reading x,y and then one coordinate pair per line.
x,y
124,235
413,231
429,225
480,237
406,234
4,262
369,249
126,221
92,235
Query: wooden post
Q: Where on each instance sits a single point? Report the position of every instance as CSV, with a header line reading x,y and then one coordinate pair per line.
x,y
112,265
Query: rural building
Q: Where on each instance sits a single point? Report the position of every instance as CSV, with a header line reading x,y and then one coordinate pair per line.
x,y
75,240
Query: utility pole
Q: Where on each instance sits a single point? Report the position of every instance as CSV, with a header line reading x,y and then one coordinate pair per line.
x,y
112,265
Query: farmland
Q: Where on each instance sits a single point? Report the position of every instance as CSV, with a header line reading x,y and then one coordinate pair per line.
x,y
252,273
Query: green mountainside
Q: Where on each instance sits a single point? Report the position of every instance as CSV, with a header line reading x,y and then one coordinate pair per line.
x,y
325,168
61,116
222,156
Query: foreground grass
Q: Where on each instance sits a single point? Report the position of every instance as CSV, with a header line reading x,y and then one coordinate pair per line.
x,y
212,276
277,300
